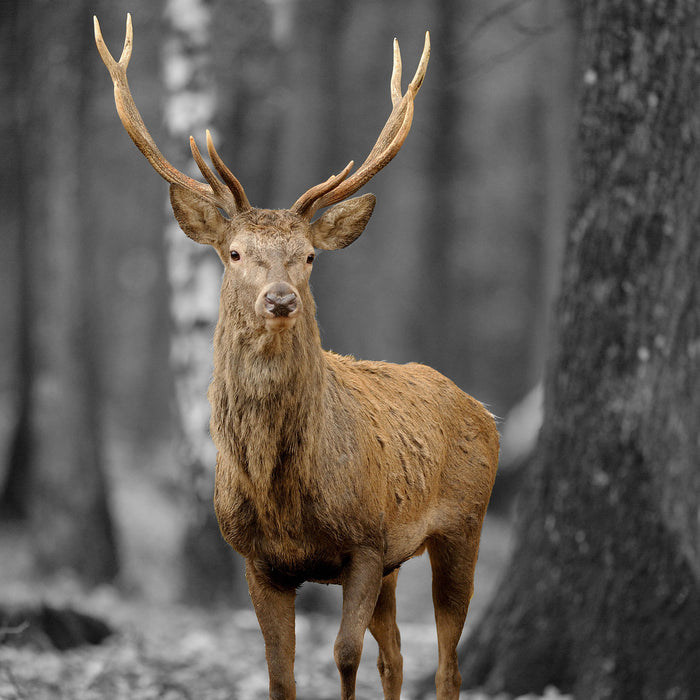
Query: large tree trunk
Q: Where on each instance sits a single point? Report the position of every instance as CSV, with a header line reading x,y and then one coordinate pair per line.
x,y
602,596
55,476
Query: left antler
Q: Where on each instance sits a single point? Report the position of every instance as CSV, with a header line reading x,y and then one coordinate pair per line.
x,y
230,198
391,138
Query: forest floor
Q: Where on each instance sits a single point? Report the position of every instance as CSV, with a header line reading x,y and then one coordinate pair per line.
x,y
170,651
177,652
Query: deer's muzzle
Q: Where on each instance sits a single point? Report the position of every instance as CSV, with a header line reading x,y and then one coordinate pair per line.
x,y
279,304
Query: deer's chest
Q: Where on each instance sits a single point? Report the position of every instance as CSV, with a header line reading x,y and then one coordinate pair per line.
x,y
282,526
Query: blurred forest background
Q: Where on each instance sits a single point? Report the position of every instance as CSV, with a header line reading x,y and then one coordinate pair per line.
x,y
107,310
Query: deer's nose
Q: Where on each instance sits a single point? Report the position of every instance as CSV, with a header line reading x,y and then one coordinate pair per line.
x,y
281,301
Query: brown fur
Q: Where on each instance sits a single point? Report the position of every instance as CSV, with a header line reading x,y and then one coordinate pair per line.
x,y
333,469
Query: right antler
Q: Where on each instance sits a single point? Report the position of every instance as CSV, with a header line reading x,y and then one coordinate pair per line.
x,y
231,199
390,140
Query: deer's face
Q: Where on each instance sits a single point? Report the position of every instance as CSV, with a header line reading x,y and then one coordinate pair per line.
x,y
268,254
268,257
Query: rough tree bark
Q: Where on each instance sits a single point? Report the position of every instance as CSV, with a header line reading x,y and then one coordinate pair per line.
x,y
602,596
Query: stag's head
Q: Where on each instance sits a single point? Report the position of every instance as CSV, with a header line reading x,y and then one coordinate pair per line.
x,y
267,254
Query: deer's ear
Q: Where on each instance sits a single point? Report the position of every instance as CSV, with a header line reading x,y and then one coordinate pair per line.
x,y
201,221
340,225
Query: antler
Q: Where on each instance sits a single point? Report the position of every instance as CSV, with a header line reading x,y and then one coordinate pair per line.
x,y
391,138
230,198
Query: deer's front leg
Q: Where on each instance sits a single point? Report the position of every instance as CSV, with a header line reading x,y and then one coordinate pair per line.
x,y
362,580
274,607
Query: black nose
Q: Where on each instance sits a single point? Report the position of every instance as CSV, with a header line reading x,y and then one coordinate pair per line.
x,y
281,301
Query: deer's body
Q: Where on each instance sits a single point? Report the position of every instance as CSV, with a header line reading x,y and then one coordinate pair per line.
x,y
328,469
321,455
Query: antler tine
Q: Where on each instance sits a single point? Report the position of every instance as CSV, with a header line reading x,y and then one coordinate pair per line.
x,y
214,182
131,119
419,76
396,75
387,145
228,177
306,201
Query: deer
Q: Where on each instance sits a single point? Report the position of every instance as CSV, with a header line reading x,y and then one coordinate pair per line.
x,y
329,469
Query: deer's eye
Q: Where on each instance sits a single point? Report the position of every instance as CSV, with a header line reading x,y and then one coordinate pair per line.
x,y
235,256
310,258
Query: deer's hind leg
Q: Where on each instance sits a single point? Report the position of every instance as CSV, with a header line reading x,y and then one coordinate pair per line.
x,y
453,561
385,630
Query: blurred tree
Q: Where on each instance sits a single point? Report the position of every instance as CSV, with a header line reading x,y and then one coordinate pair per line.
x,y
602,595
442,163
252,43
193,274
12,482
435,329
55,476
122,211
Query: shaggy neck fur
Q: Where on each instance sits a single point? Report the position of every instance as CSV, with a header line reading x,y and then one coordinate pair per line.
x,y
266,391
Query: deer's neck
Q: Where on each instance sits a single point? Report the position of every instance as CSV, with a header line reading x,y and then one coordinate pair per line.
x,y
266,396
